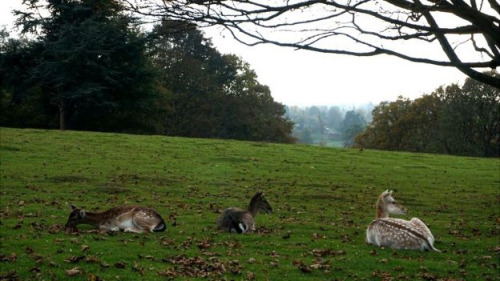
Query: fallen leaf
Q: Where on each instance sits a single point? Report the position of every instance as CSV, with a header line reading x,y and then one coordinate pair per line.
x,y
250,275
120,264
92,259
29,250
72,272
11,275
428,276
205,244
136,267
74,259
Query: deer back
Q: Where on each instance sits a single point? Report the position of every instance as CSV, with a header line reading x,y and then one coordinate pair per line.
x,y
398,234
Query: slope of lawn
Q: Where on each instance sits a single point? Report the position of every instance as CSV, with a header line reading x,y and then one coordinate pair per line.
x,y
323,199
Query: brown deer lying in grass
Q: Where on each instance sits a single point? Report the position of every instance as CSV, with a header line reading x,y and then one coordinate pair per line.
x,y
397,233
124,218
242,221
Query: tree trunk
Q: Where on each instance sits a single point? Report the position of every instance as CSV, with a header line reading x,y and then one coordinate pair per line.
x,y
62,117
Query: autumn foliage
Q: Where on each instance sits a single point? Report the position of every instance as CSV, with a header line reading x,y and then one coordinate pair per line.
x,y
453,120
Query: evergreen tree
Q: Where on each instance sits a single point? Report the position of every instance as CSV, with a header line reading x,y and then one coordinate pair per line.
x,y
92,66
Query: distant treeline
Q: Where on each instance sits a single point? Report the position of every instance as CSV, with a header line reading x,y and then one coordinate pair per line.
x,y
88,67
328,125
453,120
456,120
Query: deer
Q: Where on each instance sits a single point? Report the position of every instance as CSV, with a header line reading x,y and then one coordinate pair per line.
x,y
397,233
123,218
236,220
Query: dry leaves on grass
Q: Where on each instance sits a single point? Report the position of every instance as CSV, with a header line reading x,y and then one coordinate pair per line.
x,y
183,266
72,272
9,258
74,259
11,275
327,252
302,266
319,262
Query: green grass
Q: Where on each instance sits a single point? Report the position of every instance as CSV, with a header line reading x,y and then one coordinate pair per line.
x,y
323,199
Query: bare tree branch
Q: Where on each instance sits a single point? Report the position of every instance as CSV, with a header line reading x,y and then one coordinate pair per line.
x,y
467,33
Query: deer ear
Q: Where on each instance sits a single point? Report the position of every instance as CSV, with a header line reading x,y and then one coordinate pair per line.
x,y
71,206
82,213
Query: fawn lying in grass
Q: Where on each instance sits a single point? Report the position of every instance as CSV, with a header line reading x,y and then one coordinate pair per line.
x,y
242,221
124,218
397,233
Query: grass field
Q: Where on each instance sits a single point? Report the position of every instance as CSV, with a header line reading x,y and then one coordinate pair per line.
x,y
323,199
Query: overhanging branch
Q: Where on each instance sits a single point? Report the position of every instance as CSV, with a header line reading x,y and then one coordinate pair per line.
x,y
370,27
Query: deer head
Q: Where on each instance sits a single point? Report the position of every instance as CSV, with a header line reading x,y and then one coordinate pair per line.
x,y
387,205
259,204
75,217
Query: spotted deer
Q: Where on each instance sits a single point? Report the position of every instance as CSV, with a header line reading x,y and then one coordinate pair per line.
x,y
397,233
124,218
242,221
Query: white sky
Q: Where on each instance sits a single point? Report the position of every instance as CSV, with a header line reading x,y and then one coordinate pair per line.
x,y
306,78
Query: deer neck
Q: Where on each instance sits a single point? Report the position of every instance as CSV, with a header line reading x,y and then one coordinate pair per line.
x,y
253,209
381,211
94,219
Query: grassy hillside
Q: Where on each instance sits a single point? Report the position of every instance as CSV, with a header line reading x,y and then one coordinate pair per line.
x,y
323,199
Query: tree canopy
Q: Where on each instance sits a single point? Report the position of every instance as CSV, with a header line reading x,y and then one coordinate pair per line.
x,y
90,63
86,66
214,95
453,120
465,32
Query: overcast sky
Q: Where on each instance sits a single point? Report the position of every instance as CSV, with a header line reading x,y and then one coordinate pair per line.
x,y
306,78
309,78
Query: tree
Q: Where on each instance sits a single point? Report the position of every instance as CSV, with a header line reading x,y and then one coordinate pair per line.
x,y
352,124
388,127
334,117
422,119
195,75
22,103
92,65
351,133
470,121
213,95
253,113
359,28
485,103
352,118
316,119
306,136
